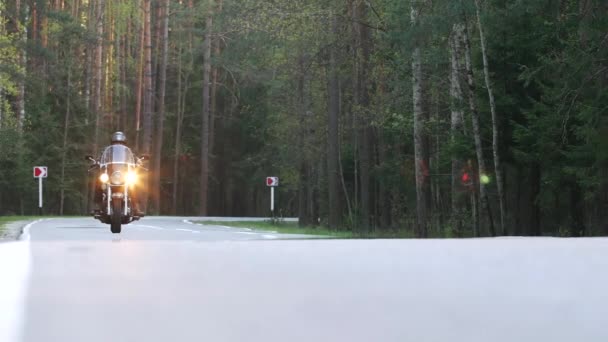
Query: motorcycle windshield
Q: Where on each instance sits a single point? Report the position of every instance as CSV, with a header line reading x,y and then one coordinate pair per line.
x,y
117,154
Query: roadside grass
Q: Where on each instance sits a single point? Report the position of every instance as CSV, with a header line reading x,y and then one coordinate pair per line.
x,y
4,220
293,228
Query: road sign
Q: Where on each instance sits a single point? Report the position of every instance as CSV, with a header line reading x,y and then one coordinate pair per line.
x,y
40,171
272,181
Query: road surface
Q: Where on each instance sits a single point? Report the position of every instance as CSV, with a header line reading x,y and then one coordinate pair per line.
x,y
165,279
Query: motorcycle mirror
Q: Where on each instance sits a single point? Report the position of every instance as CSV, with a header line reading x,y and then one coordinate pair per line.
x,y
90,158
145,157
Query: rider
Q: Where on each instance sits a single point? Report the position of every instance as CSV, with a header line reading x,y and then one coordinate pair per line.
x,y
118,138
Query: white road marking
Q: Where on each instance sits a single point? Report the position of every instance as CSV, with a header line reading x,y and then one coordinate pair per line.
x,y
248,233
25,235
213,225
269,236
188,230
151,227
15,263
228,227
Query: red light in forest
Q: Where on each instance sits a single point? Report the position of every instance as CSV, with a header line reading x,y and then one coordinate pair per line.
x,y
465,177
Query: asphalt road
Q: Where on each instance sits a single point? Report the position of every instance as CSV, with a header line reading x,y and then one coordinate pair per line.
x,y
165,279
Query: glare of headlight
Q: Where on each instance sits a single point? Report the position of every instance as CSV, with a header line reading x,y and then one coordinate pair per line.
x,y
131,177
104,178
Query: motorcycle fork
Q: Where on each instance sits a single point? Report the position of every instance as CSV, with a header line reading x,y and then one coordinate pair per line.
x,y
126,199
109,199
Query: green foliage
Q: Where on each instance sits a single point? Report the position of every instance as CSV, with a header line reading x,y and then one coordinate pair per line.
x,y
547,65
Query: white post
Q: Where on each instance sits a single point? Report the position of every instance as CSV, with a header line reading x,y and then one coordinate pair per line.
x,y
272,199
40,192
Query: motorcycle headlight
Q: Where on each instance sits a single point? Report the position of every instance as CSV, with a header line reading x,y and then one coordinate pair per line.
x,y
116,178
131,177
104,178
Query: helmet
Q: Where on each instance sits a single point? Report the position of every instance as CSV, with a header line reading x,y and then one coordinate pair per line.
x,y
119,138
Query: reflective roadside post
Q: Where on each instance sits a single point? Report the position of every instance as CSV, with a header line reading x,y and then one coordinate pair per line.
x,y
272,182
40,172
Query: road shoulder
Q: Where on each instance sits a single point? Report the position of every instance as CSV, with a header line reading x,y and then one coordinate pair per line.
x,y
11,230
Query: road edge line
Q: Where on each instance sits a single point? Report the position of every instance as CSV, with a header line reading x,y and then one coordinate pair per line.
x,y
17,274
25,231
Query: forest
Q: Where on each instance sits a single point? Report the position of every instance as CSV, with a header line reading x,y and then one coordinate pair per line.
x,y
431,118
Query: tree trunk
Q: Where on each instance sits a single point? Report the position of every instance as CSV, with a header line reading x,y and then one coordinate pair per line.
x,y
495,127
332,135
109,64
23,64
98,76
156,50
140,81
214,87
1,106
115,94
89,61
147,100
361,98
66,126
483,197
148,91
178,137
420,139
123,81
456,127
178,129
204,181
534,208
183,85
161,108
305,217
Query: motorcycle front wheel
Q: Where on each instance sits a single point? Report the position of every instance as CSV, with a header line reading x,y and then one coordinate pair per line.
x,y
116,219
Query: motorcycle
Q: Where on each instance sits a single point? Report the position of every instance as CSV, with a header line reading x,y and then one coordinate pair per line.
x,y
118,175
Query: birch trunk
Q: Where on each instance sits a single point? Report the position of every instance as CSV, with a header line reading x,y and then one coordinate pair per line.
x,y
495,127
305,183
456,125
90,51
204,181
333,131
483,196
21,84
362,51
420,145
